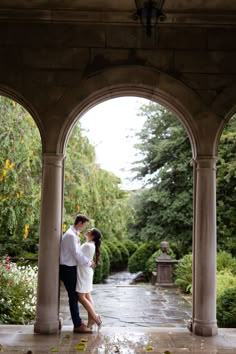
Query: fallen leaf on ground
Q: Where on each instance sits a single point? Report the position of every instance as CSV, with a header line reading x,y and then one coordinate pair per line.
x,y
149,348
54,350
80,346
83,340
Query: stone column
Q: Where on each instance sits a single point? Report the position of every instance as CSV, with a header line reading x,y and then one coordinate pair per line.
x,y
47,315
204,323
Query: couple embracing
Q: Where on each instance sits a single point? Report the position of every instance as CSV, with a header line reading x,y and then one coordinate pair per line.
x,y
77,263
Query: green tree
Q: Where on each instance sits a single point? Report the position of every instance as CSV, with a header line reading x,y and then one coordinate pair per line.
x,y
164,208
94,191
20,179
226,188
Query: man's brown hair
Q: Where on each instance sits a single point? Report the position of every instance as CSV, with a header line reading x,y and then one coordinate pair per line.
x,y
81,218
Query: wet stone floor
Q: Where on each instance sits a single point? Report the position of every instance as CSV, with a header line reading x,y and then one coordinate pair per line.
x,y
123,305
115,340
137,319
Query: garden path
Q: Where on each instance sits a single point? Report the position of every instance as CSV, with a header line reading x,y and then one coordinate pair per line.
x,y
125,305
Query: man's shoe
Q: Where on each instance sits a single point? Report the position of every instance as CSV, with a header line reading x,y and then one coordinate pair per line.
x,y
82,329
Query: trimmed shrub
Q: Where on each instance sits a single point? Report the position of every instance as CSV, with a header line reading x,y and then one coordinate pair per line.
x,y
97,278
102,270
131,246
226,261
151,265
124,254
183,273
226,308
105,244
105,262
116,257
137,261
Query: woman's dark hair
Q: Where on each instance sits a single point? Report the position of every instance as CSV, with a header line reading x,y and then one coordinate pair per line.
x,y
97,238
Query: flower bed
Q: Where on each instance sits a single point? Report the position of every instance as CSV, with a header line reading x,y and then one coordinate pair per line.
x,y
18,285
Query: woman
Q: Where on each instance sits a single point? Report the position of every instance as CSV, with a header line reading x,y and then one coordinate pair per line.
x,y
84,284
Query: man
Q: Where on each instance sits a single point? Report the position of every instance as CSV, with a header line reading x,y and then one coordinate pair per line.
x,y
70,255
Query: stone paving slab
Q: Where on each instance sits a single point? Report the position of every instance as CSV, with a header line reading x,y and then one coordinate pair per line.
x,y
134,305
116,340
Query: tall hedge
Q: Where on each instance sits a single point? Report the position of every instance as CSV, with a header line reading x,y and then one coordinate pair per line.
x,y
102,270
131,246
137,262
116,257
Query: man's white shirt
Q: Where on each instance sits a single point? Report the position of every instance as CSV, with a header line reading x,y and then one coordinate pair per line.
x,y
70,253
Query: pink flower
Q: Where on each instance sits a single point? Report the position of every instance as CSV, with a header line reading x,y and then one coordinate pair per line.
x,y
11,282
7,266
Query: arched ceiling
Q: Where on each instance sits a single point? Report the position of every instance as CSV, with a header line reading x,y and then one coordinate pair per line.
x,y
121,5
177,11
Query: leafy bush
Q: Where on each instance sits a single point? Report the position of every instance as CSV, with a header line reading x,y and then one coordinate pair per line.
x,y
225,280
226,261
183,273
226,308
28,259
18,286
116,257
137,261
131,246
105,262
151,264
124,254
102,270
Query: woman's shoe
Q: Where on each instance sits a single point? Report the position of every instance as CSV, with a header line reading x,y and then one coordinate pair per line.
x,y
99,322
90,324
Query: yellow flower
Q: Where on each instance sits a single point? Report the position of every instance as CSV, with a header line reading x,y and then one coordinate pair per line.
x,y
78,207
26,231
64,227
11,166
4,173
7,163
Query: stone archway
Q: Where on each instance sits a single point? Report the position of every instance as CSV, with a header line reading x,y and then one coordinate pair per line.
x,y
134,81
19,98
201,126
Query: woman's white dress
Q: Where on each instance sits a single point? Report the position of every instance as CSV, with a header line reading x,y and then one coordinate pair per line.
x,y
84,273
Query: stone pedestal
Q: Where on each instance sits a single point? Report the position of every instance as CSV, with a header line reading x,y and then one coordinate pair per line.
x,y
165,267
165,272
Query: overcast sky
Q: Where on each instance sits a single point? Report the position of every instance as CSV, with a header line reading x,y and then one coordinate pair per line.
x,y
110,127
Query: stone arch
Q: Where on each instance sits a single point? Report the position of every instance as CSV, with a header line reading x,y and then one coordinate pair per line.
x,y
19,98
225,106
135,81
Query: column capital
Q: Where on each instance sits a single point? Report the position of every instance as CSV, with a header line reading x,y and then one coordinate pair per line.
x,y
205,162
53,159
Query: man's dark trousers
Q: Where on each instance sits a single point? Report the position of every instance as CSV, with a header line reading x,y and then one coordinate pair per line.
x,y
69,275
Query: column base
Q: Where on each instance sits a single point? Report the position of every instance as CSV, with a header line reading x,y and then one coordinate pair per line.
x,y
41,327
205,329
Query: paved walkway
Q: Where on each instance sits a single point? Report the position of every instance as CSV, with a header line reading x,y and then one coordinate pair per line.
x,y
137,319
135,305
